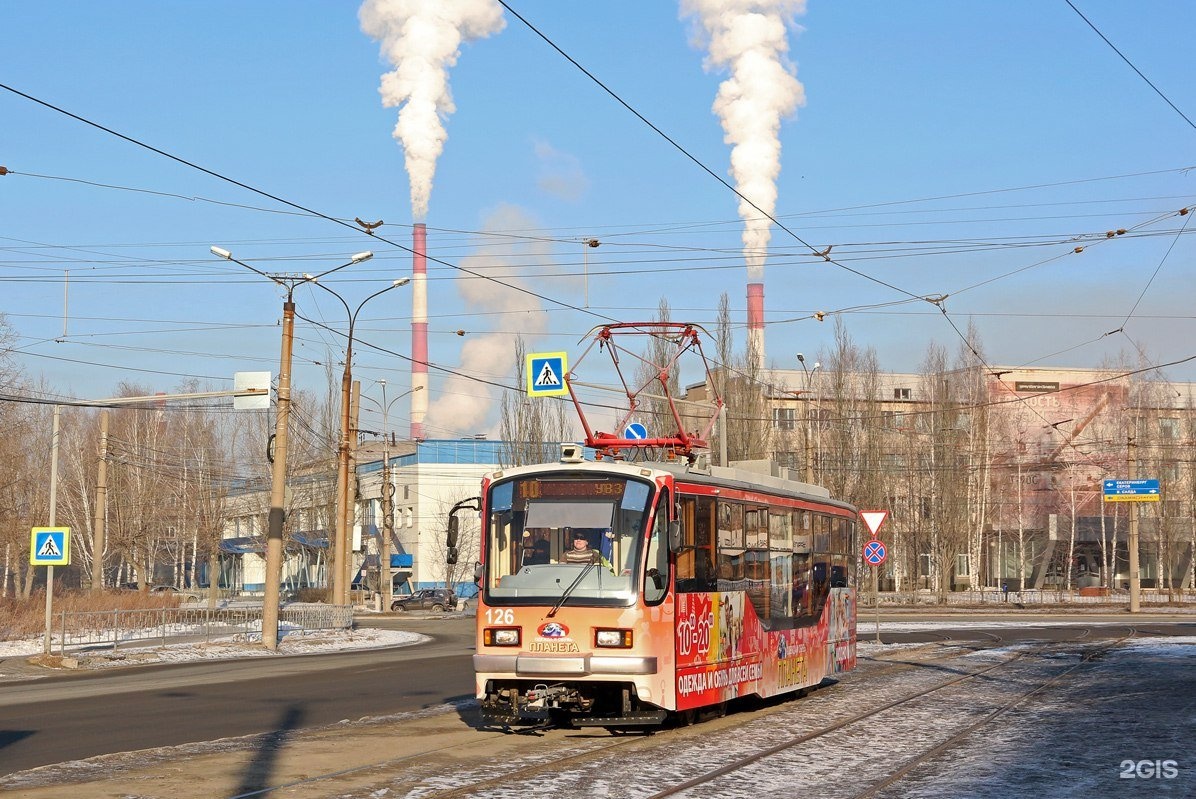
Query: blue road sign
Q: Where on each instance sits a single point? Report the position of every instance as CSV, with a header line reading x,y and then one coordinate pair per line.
x,y
50,546
875,552
635,432
546,374
1130,490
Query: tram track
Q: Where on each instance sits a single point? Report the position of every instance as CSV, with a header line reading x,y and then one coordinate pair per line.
x,y
547,764
874,789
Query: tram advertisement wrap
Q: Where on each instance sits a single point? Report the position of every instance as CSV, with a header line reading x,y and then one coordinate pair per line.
x,y
723,651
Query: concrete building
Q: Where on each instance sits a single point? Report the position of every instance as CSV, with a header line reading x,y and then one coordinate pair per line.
x,y
994,477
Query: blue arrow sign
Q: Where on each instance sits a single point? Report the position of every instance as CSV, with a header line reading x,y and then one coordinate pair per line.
x,y
1131,486
635,432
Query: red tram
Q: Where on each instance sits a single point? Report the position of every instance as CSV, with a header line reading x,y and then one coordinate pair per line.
x,y
703,586
614,593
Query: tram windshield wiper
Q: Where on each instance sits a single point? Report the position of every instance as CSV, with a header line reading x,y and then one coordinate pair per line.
x,y
576,582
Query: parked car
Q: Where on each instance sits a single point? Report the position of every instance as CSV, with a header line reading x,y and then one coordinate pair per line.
x,y
441,599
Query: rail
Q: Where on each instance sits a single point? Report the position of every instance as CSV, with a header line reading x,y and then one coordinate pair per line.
x,y
110,629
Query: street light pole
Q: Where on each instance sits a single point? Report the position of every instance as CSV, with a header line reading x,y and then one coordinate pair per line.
x,y
277,516
340,585
387,492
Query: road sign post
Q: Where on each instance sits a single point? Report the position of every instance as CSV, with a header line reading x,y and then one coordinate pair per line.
x,y
49,547
874,553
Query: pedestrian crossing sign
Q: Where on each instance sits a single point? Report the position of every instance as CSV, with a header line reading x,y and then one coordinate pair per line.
x,y
546,374
50,546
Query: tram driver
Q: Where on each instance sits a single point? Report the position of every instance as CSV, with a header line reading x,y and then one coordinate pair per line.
x,y
581,551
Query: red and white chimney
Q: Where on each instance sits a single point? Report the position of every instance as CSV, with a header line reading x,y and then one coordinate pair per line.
x,y
419,331
755,301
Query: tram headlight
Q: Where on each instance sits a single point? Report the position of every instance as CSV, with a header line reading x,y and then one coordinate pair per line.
x,y
614,639
501,636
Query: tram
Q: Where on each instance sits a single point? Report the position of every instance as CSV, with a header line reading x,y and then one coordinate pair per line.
x,y
615,593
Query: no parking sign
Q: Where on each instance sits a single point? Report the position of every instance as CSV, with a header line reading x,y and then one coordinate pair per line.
x,y
875,552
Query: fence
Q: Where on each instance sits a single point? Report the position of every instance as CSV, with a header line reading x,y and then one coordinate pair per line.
x,y
1028,597
111,628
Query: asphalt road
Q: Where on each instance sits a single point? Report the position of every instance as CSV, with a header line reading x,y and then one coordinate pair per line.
x,y
81,715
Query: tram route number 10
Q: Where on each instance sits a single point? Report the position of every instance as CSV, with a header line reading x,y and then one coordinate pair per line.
x,y
500,616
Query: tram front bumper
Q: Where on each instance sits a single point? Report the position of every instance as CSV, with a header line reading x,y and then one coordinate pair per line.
x,y
555,666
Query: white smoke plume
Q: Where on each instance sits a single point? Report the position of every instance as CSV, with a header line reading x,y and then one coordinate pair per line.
x,y
466,404
747,38
422,39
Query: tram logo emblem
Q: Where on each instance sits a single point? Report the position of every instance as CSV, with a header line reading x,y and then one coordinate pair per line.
x,y
553,629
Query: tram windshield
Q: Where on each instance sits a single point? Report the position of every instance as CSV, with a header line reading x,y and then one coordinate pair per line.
x,y
552,535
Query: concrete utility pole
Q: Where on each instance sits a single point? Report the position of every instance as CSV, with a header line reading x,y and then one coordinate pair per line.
x,y
98,531
278,480
1135,576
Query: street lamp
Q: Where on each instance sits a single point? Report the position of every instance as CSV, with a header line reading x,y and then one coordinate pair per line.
x,y
340,584
271,599
387,492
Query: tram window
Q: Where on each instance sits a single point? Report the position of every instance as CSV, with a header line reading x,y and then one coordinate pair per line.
x,y
730,538
758,582
822,533
755,525
781,601
839,571
838,535
780,530
820,583
695,561
802,588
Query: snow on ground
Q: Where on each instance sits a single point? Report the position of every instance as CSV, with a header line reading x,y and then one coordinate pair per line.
x,y
291,642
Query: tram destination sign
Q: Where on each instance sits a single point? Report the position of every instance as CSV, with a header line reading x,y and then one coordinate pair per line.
x,y
1131,490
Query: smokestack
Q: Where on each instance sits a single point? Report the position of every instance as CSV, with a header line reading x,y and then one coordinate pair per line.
x,y
755,300
419,330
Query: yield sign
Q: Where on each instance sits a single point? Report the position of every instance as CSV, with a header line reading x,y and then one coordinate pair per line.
x,y
873,519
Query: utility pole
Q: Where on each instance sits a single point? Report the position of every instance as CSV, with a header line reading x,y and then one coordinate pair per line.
x,y
350,495
98,531
1135,577
278,479
388,511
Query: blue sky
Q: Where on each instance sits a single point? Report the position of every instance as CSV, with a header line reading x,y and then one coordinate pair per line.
x,y
944,148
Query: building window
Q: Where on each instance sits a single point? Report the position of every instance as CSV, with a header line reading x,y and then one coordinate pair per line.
x,y
782,418
902,394
1169,428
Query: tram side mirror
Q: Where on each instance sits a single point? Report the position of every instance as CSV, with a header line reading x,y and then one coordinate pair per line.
x,y
477,572
674,536
450,557
451,540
